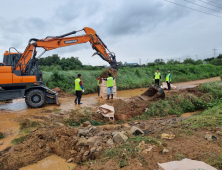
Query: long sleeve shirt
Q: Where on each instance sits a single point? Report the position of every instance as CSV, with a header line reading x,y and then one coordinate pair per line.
x,y
106,78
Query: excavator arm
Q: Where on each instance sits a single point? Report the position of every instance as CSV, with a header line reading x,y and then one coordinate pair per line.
x,y
53,42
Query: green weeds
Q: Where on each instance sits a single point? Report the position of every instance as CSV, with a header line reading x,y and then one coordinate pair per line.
x,y
129,78
17,141
27,124
1,136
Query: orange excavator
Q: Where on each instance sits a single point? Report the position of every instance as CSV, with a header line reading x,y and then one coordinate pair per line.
x,y
20,76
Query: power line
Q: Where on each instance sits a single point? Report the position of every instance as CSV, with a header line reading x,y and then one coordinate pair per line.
x,y
210,4
193,9
214,3
203,6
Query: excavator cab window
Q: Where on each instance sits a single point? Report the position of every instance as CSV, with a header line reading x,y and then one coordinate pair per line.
x,y
11,59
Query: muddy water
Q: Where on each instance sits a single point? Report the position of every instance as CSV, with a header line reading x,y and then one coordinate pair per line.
x,y
52,162
10,129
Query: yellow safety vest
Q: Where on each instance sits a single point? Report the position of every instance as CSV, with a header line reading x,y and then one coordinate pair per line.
x,y
157,75
168,77
77,85
110,82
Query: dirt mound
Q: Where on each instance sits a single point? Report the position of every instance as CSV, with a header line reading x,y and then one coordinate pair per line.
x,y
126,110
41,144
57,89
105,74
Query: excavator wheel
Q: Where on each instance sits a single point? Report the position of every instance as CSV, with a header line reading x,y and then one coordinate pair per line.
x,y
35,98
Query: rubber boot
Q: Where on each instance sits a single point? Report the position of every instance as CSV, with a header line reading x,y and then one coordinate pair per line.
x,y
76,100
107,97
111,96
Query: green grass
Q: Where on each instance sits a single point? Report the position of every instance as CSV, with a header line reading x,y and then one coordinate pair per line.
x,y
27,124
17,141
209,118
129,78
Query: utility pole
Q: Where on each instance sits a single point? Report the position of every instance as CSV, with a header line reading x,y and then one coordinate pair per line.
x,y
196,57
140,61
214,52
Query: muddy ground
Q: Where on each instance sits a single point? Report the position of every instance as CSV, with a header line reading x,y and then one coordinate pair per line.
x,y
53,133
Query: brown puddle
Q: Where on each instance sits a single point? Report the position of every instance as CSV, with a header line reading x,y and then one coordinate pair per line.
x,y
10,129
52,162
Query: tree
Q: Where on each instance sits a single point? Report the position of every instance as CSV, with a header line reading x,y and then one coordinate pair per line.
x,y
189,61
159,61
172,62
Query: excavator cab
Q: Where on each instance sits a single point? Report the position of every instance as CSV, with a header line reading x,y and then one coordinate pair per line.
x,y
11,59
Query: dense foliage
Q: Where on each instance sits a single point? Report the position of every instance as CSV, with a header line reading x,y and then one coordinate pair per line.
x,y
130,78
55,63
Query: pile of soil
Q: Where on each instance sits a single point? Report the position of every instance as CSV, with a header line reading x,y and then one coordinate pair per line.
x,y
105,74
41,144
61,93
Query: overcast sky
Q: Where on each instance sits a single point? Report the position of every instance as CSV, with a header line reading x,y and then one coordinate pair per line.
x,y
146,29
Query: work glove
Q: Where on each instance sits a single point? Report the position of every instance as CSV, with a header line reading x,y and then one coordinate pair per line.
x,y
168,81
83,91
153,79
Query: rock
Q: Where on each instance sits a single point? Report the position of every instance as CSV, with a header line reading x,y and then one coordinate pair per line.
x,y
114,133
217,132
208,137
81,141
87,123
86,153
165,151
93,149
93,141
70,160
83,132
136,131
109,142
120,138
91,128
1,143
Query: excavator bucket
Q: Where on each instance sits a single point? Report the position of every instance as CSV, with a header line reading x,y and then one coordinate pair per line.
x,y
153,93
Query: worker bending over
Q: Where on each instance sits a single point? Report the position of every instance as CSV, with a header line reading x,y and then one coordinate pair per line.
x,y
79,89
157,77
98,88
168,79
109,85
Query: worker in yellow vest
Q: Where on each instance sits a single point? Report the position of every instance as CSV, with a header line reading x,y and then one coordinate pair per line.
x,y
98,88
157,77
168,79
79,89
109,85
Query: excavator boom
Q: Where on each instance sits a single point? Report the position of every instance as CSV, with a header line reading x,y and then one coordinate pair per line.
x,y
50,43
20,76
